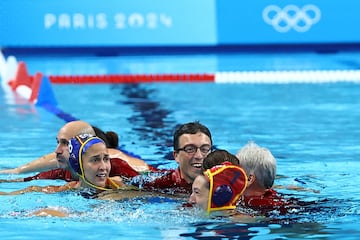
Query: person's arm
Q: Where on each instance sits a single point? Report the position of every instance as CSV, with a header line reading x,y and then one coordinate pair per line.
x,y
43,163
58,173
137,164
45,189
48,212
296,188
12,180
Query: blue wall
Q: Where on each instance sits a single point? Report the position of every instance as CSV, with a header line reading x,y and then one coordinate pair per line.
x,y
142,23
289,22
107,22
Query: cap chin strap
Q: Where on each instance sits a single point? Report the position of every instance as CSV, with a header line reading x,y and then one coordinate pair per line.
x,y
82,175
112,184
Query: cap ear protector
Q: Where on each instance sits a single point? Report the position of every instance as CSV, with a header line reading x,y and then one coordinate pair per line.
x,y
78,146
227,184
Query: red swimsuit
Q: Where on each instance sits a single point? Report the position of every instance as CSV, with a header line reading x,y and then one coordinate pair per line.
x,y
119,167
269,201
169,181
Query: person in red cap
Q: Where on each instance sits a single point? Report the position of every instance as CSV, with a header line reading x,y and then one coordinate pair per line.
x,y
219,188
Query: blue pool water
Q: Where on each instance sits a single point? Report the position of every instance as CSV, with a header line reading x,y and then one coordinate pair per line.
x,y
312,130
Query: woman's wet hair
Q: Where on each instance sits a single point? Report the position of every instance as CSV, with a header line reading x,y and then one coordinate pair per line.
x,y
110,138
218,157
113,139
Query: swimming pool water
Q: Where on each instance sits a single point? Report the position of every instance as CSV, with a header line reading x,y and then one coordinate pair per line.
x,y
312,130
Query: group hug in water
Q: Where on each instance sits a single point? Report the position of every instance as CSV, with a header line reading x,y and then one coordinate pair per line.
x,y
213,180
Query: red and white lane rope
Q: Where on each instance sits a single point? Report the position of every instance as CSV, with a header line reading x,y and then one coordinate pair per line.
x,y
294,76
301,76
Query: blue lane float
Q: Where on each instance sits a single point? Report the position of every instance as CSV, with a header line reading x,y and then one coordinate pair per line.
x,y
36,89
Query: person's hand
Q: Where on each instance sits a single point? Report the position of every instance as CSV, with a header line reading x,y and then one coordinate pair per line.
x,y
11,180
46,212
10,171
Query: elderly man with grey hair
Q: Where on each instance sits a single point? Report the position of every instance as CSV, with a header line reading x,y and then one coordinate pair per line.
x,y
260,167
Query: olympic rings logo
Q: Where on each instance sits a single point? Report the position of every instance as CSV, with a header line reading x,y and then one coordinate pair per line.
x,y
291,17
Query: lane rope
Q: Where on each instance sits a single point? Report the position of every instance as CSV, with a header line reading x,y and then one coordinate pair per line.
x,y
280,77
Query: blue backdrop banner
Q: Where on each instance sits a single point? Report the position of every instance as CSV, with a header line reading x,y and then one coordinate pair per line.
x,y
122,23
107,22
288,21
